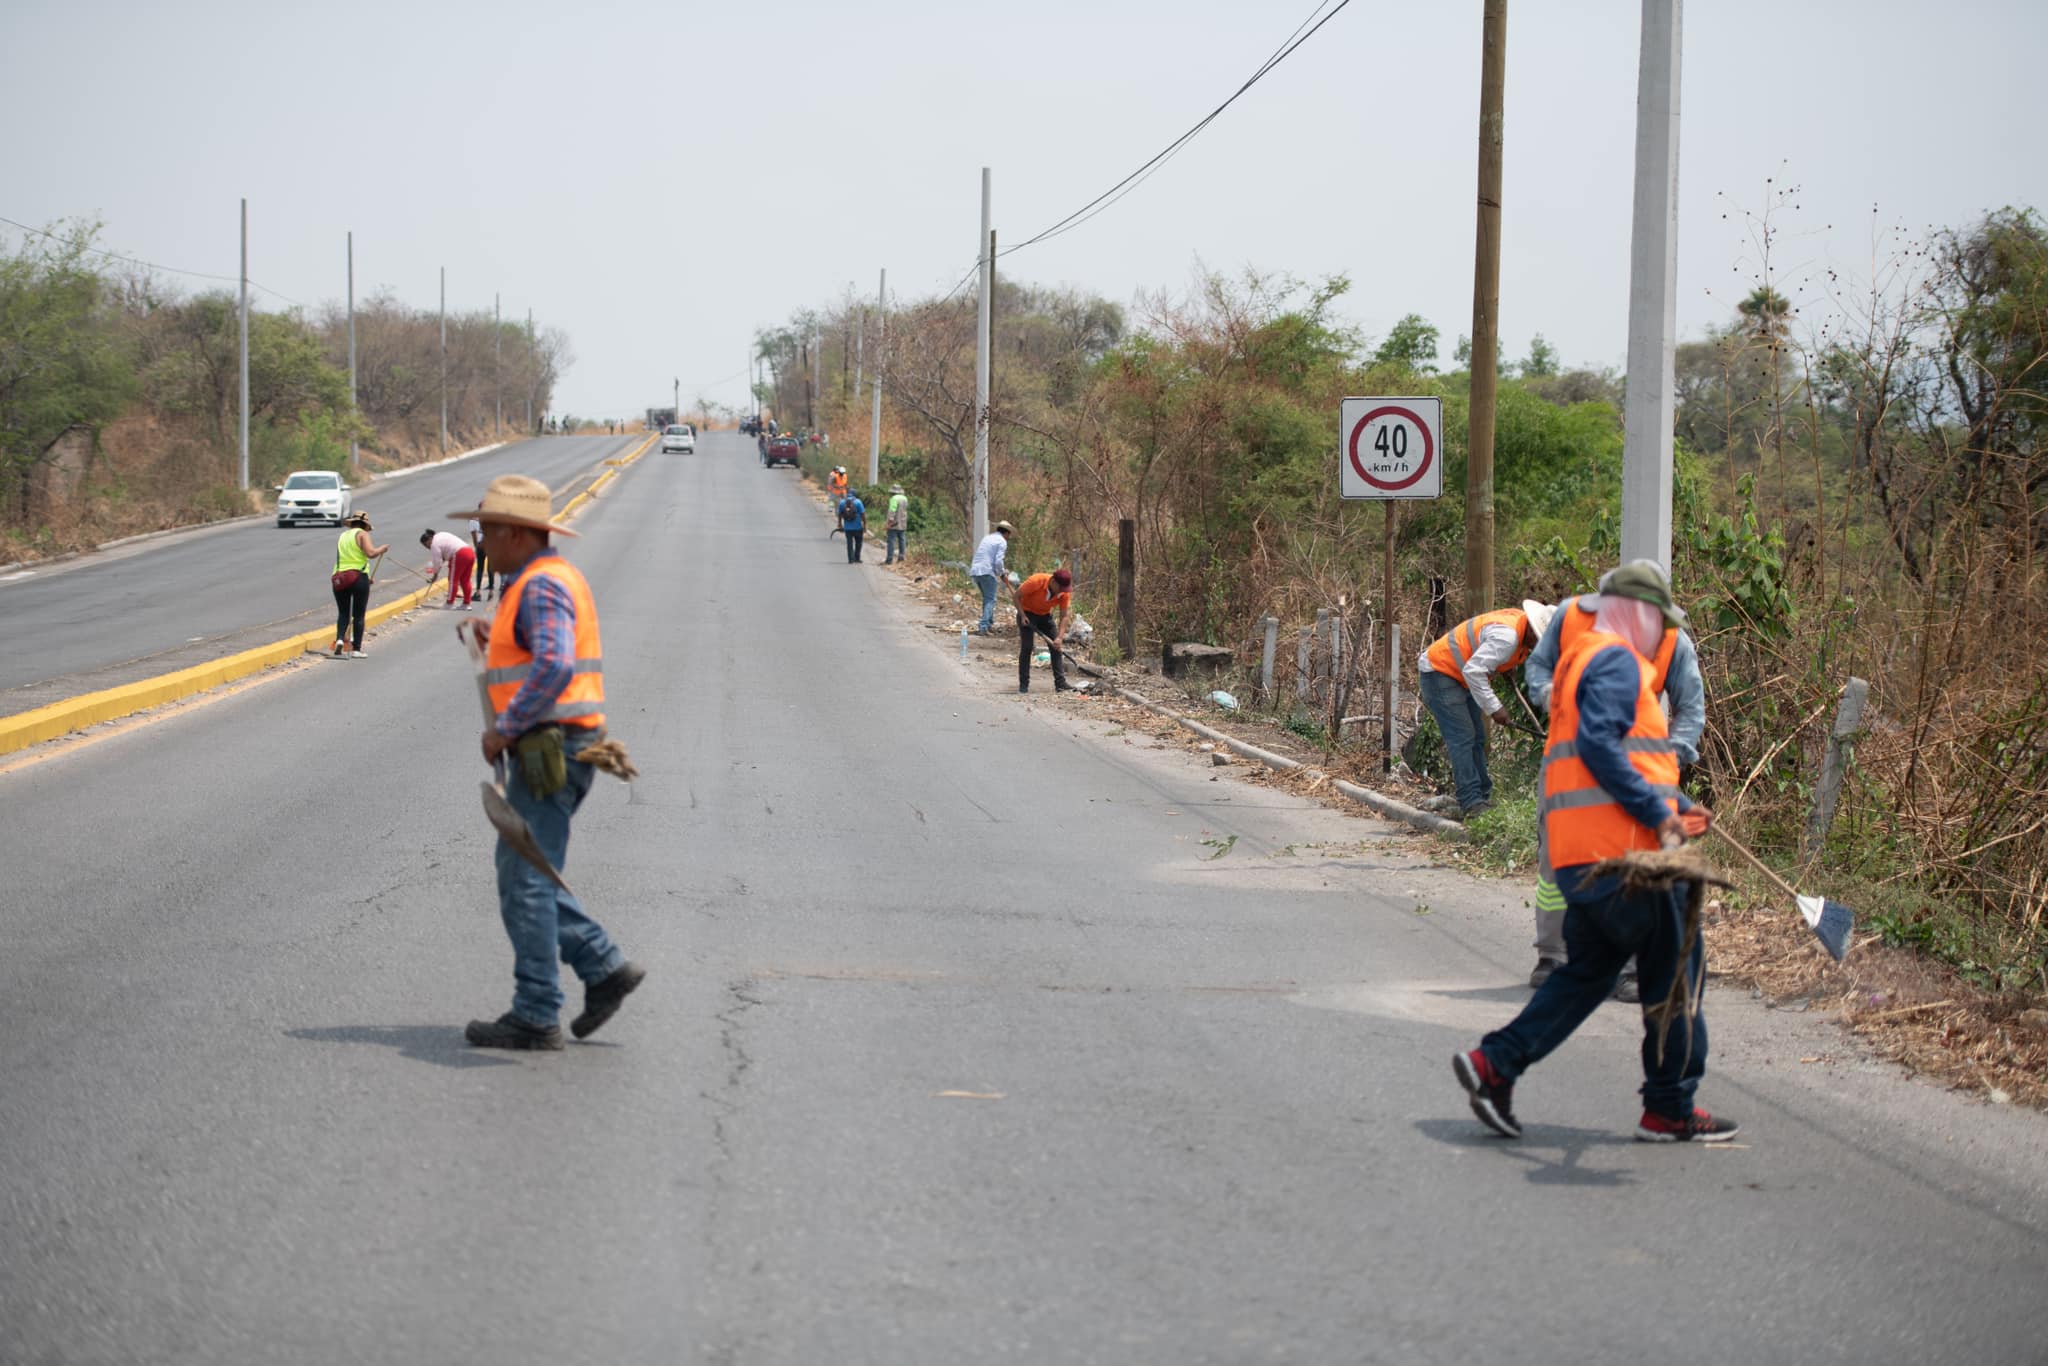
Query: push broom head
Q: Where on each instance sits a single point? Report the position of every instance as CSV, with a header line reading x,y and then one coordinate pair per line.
x,y
1831,923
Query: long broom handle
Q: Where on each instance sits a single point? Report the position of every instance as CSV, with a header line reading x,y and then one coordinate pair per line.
x,y
1756,862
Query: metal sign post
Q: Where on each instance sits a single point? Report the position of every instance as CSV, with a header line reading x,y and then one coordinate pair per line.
x,y
1389,449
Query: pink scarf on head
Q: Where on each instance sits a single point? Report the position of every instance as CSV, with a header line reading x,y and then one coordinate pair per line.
x,y
1641,624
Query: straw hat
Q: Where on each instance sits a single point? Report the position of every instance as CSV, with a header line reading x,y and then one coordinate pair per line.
x,y
515,500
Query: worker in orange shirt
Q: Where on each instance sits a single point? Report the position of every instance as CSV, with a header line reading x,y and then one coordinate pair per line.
x,y
1038,597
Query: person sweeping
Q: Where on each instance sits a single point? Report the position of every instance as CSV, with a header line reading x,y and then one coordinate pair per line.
x,y
351,582
545,671
1610,788
446,550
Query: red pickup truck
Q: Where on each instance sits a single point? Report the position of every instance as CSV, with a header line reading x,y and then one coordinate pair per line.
x,y
779,450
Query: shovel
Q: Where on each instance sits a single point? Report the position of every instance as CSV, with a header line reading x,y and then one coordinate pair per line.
x,y
510,825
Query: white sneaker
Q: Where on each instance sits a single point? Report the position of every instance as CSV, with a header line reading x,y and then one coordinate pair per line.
x,y
358,654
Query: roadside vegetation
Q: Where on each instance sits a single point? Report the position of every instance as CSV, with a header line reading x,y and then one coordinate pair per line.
x,y
119,392
1862,492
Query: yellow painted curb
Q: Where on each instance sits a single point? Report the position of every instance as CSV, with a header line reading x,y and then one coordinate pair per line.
x,y
76,713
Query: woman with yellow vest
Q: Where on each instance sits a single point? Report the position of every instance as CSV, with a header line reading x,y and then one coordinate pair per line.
x,y
351,581
544,666
1457,687
1610,786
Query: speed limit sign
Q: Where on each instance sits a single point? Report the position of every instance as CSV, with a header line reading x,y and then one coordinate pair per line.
x,y
1391,448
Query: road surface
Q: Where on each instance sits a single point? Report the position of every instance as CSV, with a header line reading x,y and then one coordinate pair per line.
x,y
958,1044
150,607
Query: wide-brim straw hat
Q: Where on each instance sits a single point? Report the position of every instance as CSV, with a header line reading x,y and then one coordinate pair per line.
x,y
516,500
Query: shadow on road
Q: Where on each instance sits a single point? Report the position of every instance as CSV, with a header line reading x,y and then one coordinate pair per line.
x,y
1552,1152
442,1045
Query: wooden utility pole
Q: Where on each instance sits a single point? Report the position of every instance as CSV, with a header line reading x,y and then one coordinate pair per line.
x,y
1485,316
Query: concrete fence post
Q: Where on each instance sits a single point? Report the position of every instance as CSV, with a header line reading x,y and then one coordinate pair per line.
x,y
1835,766
1271,628
1301,664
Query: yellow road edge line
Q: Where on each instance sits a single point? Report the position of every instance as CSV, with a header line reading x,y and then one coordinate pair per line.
x,y
33,727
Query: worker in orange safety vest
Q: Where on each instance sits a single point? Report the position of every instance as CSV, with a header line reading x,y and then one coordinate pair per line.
x,y
1457,675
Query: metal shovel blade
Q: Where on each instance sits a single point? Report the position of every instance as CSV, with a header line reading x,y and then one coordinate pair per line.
x,y
512,828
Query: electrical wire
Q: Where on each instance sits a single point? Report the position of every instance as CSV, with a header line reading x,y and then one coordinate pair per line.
x,y
1109,197
152,265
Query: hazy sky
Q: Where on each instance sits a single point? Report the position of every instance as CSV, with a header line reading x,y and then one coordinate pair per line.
x,y
661,179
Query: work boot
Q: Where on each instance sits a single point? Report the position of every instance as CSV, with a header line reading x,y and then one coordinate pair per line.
x,y
1541,973
509,1031
1698,1126
1493,1100
1626,989
601,1000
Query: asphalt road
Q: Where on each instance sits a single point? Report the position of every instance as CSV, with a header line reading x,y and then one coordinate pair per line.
x,y
959,1045
149,607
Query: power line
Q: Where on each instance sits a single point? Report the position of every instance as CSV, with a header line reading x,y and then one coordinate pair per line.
x,y
152,265
1110,196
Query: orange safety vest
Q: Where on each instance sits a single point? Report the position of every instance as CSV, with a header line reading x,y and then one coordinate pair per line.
x,y
1035,596
837,483
507,663
1581,822
1450,652
1578,619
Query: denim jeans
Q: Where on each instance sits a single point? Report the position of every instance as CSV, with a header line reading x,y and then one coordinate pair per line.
x,y
1028,624
853,539
894,546
1463,727
1599,938
987,584
541,919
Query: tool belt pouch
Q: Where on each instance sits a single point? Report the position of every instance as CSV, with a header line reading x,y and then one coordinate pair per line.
x,y
542,760
346,579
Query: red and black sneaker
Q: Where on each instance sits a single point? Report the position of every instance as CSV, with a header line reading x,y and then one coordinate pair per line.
x,y
1698,1127
1493,1100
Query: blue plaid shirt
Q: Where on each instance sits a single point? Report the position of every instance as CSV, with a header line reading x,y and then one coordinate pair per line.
x,y
546,629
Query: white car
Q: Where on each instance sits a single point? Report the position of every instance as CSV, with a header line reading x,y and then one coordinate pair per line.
x,y
312,496
679,438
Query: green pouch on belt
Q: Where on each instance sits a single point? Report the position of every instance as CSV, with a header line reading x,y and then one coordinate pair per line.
x,y
542,761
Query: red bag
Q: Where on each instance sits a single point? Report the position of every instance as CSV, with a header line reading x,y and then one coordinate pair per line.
x,y
345,579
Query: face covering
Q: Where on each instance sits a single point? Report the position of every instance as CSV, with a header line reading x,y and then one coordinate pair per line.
x,y
1641,624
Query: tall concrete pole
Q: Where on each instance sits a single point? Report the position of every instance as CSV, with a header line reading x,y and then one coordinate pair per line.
x,y
532,371
245,343
354,454
1652,294
1485,316
444,360
875,415
978,505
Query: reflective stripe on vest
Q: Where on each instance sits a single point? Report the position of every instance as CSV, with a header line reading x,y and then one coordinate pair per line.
x,y
1450,652
1578,619
507,664
1582,823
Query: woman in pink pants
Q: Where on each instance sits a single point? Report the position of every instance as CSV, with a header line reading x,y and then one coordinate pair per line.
x,y
457,555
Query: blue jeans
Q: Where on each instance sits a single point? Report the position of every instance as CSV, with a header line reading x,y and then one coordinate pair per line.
x,y
1463,727
541,919
1599,937
893,547
987,584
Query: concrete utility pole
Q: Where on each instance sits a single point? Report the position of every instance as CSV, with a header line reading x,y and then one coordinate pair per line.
x,y
532,371
1652,294
978,504
498,360
860,351
1485,316
444,360
875,416
245,343
354,455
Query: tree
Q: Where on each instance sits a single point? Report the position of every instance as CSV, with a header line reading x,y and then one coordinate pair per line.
x,y
1412,343
1542,361
60,363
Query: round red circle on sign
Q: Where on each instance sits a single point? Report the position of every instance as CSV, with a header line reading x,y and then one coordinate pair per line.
x,y
1421,468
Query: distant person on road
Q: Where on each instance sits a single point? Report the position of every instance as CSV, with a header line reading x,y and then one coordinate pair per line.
x,y
853,520
447,550
1457,686
1038,597
486,577
987,570
351,580
897,526
1675,675
1610,787
546,676
835,484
